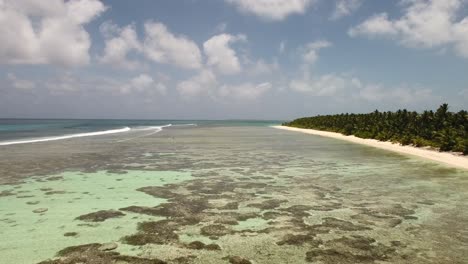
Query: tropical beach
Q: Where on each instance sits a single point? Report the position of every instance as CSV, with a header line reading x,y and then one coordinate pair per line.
x,y
233,132
452,159
177,196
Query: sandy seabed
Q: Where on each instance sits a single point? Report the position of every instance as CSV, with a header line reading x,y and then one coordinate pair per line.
x,y
444,157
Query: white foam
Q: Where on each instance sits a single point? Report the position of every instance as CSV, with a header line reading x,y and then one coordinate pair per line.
x,y
155,129
90,134
151,127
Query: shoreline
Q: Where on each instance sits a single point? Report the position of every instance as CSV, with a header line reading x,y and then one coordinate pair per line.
x,y
442,157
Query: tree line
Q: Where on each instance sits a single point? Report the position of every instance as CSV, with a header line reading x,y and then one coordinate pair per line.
x,y
442,129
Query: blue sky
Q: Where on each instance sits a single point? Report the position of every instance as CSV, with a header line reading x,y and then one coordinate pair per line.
x,y
223,59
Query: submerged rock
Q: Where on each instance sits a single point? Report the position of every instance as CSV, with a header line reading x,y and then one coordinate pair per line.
x,y
108,246
200,245
40,210
239,260
100,216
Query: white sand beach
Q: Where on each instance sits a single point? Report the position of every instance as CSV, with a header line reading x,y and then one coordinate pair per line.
x,y
452,159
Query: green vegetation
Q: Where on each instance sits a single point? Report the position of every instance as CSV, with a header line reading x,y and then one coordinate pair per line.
x,y
442,129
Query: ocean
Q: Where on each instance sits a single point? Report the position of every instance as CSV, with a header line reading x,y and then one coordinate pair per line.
x,y
137,191
21,131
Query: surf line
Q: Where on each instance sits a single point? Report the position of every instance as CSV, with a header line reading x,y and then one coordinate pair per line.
x,y
156,128
90,134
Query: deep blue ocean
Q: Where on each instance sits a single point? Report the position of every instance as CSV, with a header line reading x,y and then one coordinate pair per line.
x,y
31,129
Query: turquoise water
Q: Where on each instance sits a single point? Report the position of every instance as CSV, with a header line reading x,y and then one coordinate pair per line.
x,y
14,129
215,193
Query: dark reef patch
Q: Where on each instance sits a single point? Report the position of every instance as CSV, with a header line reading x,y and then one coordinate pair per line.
x,y
7,193
159,232
100,216
197,245
90,254
332,256
55,192
159,191
141,210
215,230
335,223
230,206
299,240
268,204
354,249
246,216
298,210
237,260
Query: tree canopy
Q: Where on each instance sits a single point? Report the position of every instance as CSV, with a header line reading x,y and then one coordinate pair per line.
x,y
442,129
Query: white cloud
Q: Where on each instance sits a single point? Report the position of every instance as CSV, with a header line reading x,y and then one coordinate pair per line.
x,y
143,83
375,26
345,8
220,55
201,84
310,51
118,43
162,46
36,32
221,27
246,91
424,24
261,67
19,83
400,95
272,10
349,87
67,82
326,85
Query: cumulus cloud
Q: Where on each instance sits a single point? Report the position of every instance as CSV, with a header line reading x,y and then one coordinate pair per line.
x,y
220,54
70,83
118,43
65,83
272,10
261,67
221,27
345,8
201,84
310,51
143,83
424,23
349,87
162,46
401,95
46,32
326,85
245,91
20,83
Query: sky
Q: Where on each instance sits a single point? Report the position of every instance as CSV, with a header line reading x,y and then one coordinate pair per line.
x,y
230,59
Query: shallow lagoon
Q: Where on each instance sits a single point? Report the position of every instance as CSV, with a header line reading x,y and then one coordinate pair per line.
x,y
246,193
